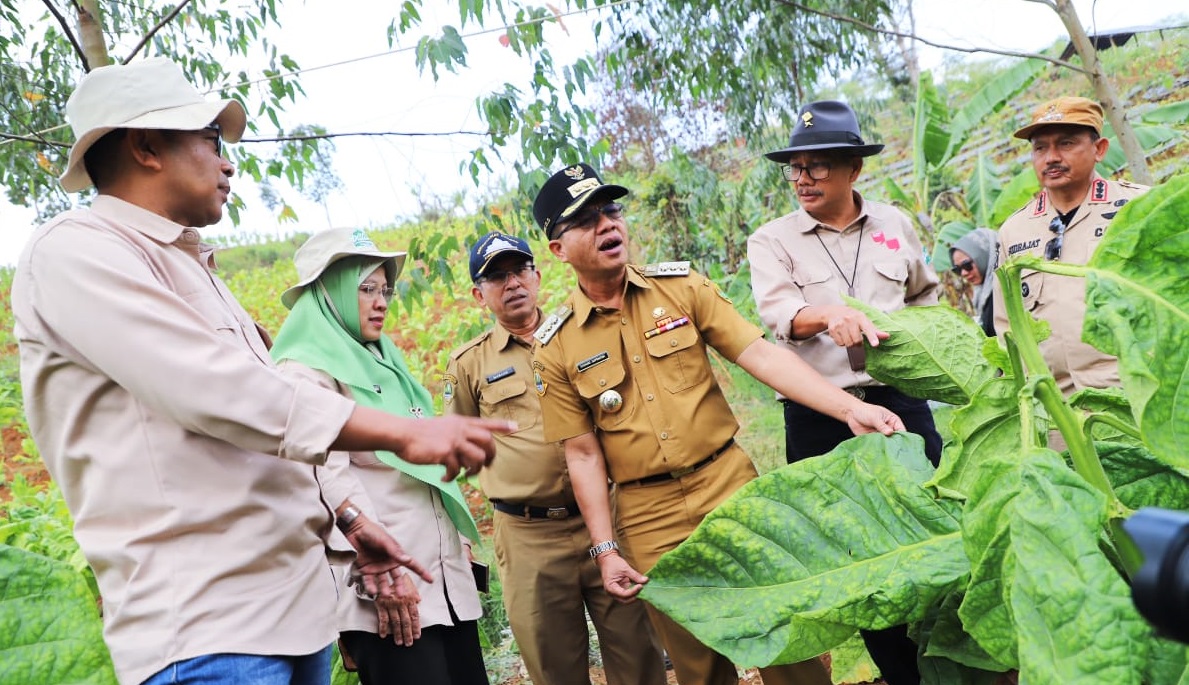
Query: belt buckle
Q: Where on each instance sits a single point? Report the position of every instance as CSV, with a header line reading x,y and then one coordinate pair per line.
x,y
858,391
681,472
557,513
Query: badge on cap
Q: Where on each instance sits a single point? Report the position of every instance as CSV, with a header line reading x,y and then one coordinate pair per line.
x,y
610,401
808,119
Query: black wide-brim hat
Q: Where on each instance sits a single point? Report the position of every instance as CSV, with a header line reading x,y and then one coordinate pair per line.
x,y
825,125
568,191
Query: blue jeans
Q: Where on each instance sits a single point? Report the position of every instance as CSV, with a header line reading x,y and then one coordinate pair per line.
x,y
247,669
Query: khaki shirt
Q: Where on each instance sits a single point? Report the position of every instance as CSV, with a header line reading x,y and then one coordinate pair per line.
x,y
157,410
413,513
791,270
674,414
1061,300
492,376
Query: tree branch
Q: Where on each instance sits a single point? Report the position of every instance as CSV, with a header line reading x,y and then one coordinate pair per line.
x,y
153,31
30,139
319,136
898,34
69,34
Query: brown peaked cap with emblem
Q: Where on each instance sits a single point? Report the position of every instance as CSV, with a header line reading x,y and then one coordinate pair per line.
x,y
1066,111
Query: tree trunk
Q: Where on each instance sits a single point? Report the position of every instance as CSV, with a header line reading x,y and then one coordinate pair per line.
x,y
90,34
1137,161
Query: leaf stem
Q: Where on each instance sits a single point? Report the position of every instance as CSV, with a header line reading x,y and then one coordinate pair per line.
x,y
1112,421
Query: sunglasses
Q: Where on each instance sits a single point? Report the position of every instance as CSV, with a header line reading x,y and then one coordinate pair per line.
x,y
1053,247
963,267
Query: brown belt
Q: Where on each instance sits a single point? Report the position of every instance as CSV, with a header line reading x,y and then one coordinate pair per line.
x,y
679,473
530,512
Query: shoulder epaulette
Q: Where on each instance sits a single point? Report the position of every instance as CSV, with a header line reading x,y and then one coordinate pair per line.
x,y
470,344
552,324
666,269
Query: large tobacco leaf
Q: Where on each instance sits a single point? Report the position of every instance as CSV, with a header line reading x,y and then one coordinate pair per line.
x,y
1041,591
985,429
792,563
1140,479
1137,300
933,352
1106,402
50,630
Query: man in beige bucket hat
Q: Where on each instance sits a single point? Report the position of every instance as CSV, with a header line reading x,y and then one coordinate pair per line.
x,y
186,459
1064,222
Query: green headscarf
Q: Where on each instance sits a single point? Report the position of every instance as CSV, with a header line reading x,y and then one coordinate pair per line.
x,y
322,332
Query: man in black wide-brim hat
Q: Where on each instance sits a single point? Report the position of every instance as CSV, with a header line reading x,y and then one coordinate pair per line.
x,y
802,264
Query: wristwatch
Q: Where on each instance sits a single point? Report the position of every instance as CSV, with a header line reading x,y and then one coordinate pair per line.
x,y
602,547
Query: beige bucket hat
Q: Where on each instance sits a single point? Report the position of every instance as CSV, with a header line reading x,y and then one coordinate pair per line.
x,y
327,247
151,93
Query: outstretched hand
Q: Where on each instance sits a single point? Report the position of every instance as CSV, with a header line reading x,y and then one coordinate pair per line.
x,y
870,418
848,327
619,579
457,442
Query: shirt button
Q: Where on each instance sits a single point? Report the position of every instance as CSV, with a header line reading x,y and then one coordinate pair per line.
x,y
602,381
624,321
664,436
636,359
672,343
649,397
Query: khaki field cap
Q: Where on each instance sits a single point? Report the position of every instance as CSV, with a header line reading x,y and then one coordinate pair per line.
x,y
151,93
326,248
1069,111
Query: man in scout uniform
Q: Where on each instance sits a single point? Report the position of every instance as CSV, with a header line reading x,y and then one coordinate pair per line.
x,y
627,385
548,581
839,243
1064,222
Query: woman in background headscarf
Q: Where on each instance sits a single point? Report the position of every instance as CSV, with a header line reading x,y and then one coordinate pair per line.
x,y
428,633
974,257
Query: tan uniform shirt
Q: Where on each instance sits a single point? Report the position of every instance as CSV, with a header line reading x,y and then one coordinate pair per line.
x,y
791,269
673,414
414,515
1061,300
492,376
157,410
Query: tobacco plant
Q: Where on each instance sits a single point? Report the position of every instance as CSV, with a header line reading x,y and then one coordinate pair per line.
x,y
1008,557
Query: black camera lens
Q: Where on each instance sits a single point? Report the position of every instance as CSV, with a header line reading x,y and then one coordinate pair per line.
x,y
1160,589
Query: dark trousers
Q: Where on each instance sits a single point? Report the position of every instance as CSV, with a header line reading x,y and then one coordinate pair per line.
x,y
808,433
443,655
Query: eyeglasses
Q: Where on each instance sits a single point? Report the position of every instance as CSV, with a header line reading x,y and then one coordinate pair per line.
x,y
218,137
500,278
589,217
1053,247
370,290
963,267
818,171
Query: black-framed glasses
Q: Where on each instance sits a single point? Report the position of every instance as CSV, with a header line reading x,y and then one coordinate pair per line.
x,y
962,267
1053,247
818,171
370,290
589,217
218,137
500,278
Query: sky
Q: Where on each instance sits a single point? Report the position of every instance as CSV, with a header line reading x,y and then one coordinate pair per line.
x,y
384,176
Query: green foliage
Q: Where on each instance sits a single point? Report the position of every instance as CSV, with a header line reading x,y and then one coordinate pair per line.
x,y
50,630
791,564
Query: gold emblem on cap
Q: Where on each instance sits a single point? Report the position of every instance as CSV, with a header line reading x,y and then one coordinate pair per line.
x,y
575,172
658,312
611,401
1053,113
807,118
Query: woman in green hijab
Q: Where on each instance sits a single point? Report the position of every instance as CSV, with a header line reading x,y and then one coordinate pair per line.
x,y
428,633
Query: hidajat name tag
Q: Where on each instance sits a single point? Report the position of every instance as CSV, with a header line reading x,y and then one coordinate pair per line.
x,y
501,375
593,361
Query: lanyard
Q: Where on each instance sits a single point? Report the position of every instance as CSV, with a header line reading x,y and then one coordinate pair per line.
x,y
850,282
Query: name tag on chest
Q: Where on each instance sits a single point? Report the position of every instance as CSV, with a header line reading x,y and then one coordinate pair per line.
x,y
593,361
501,375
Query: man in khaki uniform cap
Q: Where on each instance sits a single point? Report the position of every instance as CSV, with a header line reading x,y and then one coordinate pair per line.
x,y
1064,222
548,582
186,459
626,382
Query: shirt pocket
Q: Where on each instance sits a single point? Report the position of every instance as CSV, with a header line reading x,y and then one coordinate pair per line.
x,y
1031,285
896,272
510,400
678,358
592,383
214,311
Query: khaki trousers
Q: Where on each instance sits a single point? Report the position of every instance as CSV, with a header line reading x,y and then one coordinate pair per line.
x,y
549,584
654,519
